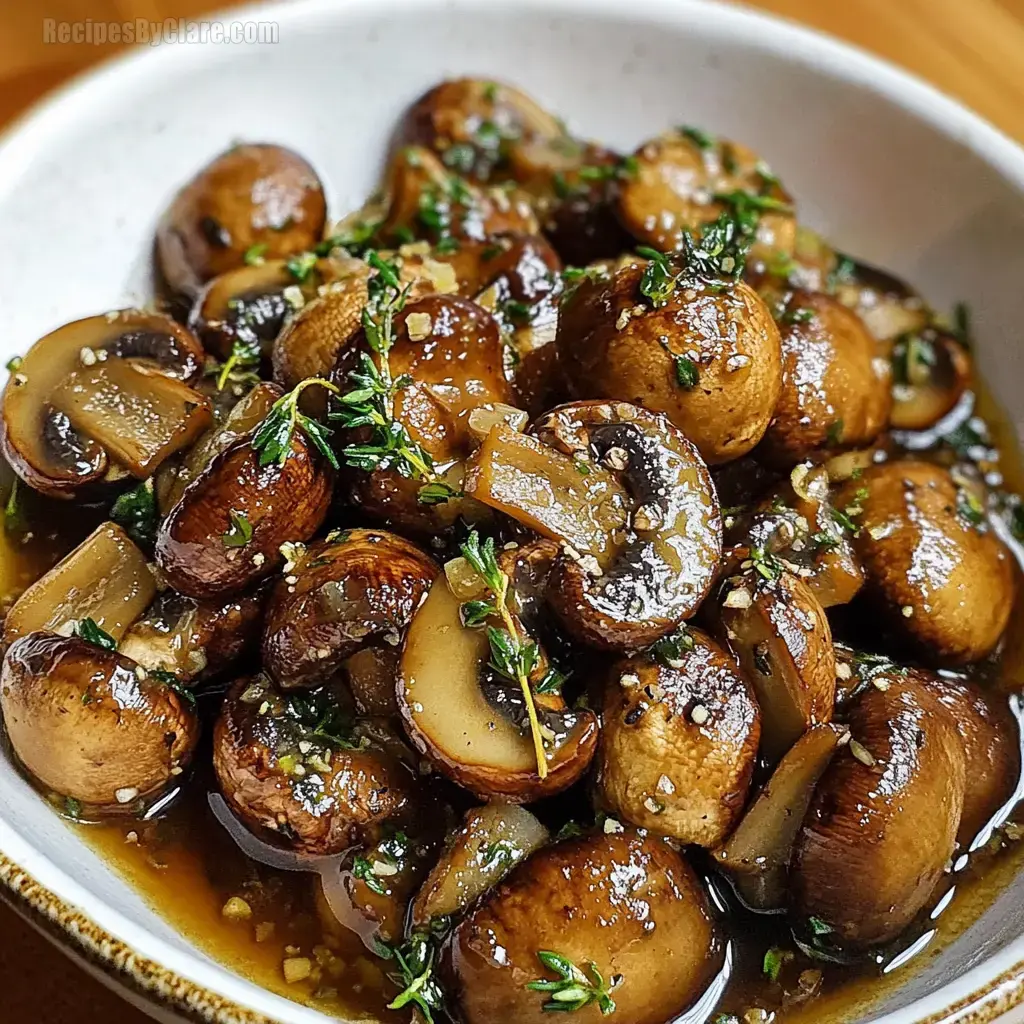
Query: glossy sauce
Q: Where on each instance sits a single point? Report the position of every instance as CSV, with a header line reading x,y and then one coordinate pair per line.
x,y
191,870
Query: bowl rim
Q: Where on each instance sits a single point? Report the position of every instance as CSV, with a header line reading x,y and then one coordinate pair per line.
x,y
190,983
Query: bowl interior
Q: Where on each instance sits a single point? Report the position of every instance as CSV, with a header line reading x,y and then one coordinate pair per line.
x,y
882,165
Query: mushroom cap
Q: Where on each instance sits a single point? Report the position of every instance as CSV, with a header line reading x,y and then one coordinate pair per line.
x,y
84,722
678,743
254,194
627,903
613,344
341,596
942,581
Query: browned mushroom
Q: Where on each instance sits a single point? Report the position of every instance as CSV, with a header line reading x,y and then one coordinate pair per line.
x,y
254,198
782,639
934,570
354,591
883,822
90,725
685,178
756,856
625,909
454,717
106,579
931,371
452,352
888,306
101,395
227,530
430,202
295,765
679,736
707,355
493,839
835,381
476,126
638,555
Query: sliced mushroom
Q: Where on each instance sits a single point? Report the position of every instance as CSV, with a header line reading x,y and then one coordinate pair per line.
x,y
343,595
938,575
679,739
106,390
685,178
295,765
630,570
835,381
797,523
476,126
756,856
623,908
931,371
888,306
450,720
89,724
195,640
493,839
883,822
709,357
253,198
106,579
451,350
227,530
429,202
781,636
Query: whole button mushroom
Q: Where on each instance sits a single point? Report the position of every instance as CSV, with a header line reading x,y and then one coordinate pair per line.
x,y
295,765
706,354
624,909
931,372
679,736
89,724
255,197
883,822
835,382
357,590
940,577
105,396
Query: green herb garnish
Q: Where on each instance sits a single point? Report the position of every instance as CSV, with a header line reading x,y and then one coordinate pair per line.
x,y
658,282
363,870
273,438
13,364
970,507
135,512
91,633
574,989
300,265
774,960
700,138
421,989
766,564
245,355
255,254
240,532
686,372
669,650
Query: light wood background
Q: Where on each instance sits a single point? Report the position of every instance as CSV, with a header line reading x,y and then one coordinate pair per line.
x,y
972,49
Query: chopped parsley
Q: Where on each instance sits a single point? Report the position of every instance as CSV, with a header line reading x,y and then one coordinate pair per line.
x,y
363,870
91,633
669,650
686,372
135,512
255,254
300,265
658,282
240,532
700,138
774,960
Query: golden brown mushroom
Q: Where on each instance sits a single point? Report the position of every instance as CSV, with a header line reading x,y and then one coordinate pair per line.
x,y
294,765
101,397
354,591
931,371
90,725
835,382
883,822
708,356
941,579
623,908
254,198
679,736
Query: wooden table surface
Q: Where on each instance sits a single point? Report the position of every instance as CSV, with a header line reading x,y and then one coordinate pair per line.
x,y
973,49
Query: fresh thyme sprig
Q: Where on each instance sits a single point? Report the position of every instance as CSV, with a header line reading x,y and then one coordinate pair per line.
x,y
371,402
573,990
273,438
513,655
415,962
245,355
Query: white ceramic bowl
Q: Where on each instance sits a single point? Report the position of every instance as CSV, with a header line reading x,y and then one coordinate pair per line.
x,y
882,164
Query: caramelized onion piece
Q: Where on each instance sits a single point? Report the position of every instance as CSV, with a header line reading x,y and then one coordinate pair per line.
x,y
450,720
106,579
756,855
89,724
